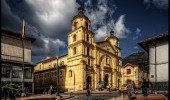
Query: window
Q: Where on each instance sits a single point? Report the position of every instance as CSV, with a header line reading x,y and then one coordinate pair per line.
x,y
88,51
152,76
40,66
70,73
88,62
55,73
61,72
17,72
62,63
75,25
74,50
5,71
74,38
106,60
45,75
55,65
49,66
28,73
87,37
86,25
128,71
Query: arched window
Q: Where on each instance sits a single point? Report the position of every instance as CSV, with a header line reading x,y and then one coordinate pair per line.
x,y
74,50
128,71
75,25
86,25
74,37
88,51
61,72
88,62
87,37
70,73
62,63
106,60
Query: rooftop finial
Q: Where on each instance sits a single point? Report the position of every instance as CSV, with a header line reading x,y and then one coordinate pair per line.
x,y
111,33
81,10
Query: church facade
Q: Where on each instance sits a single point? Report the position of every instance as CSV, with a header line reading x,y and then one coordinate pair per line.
x,y
87,63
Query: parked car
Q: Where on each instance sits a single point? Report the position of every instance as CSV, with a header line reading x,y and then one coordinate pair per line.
x,y
123,88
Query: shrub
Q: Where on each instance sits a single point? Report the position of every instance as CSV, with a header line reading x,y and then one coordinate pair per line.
x,y
11,86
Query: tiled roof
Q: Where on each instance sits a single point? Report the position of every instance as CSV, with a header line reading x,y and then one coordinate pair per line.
x,y
16,34
144,44
51,58
155,37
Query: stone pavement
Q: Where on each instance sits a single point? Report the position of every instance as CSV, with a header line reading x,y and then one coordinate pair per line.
x,y
141,97
43,96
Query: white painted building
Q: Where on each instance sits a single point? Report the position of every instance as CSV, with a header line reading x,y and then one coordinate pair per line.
x,y
157,48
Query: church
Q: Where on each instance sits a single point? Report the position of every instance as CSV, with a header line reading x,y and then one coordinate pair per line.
x,y
87,64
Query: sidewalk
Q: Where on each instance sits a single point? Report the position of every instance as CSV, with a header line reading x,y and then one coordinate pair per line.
x,y
141,97
43,96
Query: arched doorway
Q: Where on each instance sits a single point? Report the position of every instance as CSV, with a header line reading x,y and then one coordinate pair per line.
x,y
118,83
88,84
106,80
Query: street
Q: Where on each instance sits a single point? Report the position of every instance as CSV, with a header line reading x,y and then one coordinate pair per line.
x,y
96,97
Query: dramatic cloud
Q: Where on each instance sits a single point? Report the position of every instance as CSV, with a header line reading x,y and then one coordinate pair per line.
x,y
9,20
120,30
53,16
101,14
163,4
48,21
137,34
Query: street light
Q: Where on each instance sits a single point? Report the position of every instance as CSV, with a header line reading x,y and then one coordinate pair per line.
x,y
57,68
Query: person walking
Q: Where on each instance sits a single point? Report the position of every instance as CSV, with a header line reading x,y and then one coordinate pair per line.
x,y
130,89
88,94
12,94
145,88
134,86
149,87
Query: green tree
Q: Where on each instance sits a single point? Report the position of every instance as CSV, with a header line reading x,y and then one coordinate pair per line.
x,y
11,86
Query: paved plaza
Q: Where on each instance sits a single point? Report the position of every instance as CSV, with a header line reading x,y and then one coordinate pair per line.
x,y
96,95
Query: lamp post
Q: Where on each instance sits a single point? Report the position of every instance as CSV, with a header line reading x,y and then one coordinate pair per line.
x,y
23,36
57,68
23,92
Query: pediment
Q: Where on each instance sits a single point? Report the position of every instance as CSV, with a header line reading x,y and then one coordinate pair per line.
x,y
107,46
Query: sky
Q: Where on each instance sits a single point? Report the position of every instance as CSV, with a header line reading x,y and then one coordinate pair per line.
x,y
49,21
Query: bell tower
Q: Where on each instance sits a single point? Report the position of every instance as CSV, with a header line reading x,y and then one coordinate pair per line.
x,y
80,49
80,20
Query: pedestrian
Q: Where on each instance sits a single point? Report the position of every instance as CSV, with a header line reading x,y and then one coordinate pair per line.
x,y
145,88
134,86
150,87
45,91
107,86
130,89
88,94
12,94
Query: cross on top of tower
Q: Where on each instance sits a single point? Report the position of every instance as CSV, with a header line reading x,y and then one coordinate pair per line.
x,y
81,11
111,33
